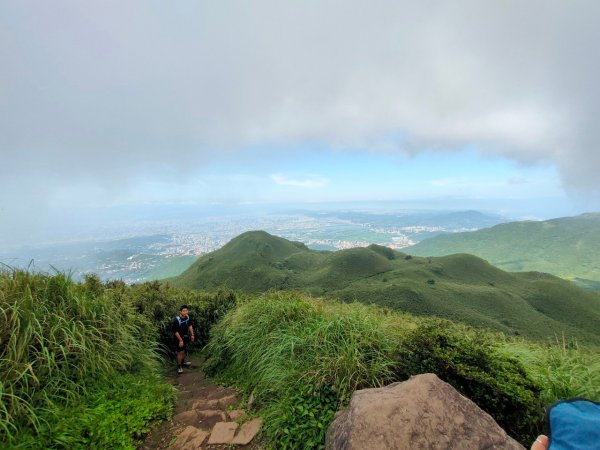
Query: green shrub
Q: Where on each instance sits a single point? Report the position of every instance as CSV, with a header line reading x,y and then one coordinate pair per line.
x,y
117,414
474,363
307,416
159,303
59,342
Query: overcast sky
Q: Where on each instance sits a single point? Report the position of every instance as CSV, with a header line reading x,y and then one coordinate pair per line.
x,y
111,103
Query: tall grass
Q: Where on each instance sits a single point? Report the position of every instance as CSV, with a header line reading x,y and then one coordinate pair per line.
x,y
564,369
159,303
281,339
302,358
294,352
60,341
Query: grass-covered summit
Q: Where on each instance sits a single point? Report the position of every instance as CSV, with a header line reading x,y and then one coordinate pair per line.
x,y
567,247
458,287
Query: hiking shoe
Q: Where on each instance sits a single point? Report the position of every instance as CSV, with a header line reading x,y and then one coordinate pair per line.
x,y
187,364
179,369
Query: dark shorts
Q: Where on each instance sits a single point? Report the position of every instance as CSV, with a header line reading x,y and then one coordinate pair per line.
x,y
177,348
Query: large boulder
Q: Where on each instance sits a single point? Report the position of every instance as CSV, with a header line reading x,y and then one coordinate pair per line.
x,y
421,413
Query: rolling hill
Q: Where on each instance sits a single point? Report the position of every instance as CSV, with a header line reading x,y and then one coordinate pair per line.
x,y
459,287
566,247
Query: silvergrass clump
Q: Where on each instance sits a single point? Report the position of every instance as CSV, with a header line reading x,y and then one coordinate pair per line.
x,y
303,355
58,341
564,369
282,340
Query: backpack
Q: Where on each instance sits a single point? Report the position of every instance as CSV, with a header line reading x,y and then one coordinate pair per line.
x,y
179,321
574,424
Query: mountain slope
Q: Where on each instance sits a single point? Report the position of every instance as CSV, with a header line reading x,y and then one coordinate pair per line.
x,y
567,247
246,263
459,287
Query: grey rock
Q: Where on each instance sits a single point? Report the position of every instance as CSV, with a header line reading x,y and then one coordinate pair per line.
x,y
421,413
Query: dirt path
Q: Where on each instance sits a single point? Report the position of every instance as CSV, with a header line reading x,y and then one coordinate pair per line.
x,y
206,416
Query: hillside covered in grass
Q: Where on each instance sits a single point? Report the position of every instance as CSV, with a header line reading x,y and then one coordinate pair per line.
x,y
567,247
458,287
302,358
81,363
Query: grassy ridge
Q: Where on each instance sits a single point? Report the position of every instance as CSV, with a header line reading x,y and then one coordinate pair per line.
x,y
458,287
302,358
567,247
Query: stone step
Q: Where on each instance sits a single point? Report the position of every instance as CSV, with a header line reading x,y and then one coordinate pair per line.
x,y
223,433
190,438
247,432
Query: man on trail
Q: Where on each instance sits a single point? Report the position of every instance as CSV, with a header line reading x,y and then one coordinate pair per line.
x,y
184,333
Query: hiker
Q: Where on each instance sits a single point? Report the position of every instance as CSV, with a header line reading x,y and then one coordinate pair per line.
x,y
183,332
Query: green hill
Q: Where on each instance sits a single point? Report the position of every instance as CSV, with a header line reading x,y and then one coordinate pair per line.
x,y
458,287
566,247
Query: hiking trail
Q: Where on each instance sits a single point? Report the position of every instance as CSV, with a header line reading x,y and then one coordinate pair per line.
x,y
206,416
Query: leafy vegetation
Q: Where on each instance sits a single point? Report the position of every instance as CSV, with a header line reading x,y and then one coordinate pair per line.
x,y
461,287
306,416
567,247
79,364
303,358
112,414
160,303
294,353
565,369
474,363
61,344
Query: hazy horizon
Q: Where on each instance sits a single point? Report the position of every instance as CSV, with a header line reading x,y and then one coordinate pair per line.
x,y
113,223
113,113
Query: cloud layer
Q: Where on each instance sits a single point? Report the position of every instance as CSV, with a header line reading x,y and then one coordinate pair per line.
x,y
100,91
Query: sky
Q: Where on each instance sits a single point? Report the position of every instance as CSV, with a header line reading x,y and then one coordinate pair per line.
x,y
467,104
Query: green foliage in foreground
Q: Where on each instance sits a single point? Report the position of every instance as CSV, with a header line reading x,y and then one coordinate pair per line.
x,y
303,358
473,362
291,350
306,416
68,348
115,414
565,370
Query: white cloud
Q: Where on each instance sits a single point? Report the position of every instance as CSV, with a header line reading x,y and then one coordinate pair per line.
x,y
310,182
103,93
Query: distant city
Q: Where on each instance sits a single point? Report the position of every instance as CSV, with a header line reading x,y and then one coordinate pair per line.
x,y
161,249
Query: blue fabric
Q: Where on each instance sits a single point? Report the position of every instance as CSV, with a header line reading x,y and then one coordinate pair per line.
x,y
574,425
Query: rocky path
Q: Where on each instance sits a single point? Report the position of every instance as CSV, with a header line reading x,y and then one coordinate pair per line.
x,y
206,416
